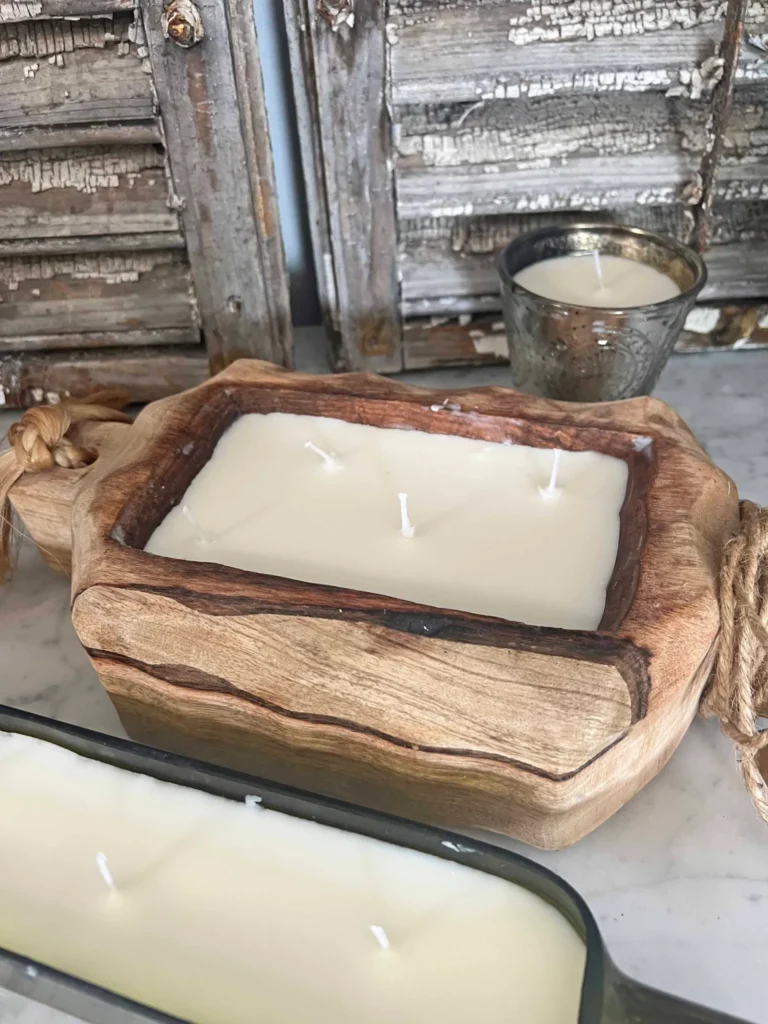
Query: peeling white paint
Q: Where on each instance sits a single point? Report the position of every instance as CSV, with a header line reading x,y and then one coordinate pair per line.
x,y
702,319
85,170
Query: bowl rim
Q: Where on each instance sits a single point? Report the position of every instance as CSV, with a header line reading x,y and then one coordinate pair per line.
x,y
681,250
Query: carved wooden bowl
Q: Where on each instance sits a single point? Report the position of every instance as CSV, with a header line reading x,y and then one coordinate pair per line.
x,y
462,720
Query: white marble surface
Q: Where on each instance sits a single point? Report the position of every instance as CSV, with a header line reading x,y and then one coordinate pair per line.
x,y
678,879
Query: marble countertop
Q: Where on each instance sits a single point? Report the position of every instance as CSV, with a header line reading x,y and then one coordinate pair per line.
x,y
678,879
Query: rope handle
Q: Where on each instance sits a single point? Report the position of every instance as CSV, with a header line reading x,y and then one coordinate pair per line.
x,y
739,685
40,441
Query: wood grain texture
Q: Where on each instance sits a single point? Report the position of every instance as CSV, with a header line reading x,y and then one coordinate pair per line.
x,y
81,294
146,374
55,193
349,157
94,84
472,52
24,10
61,136
425,711
211,104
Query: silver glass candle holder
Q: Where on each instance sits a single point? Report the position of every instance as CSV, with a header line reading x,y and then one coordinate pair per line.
x,y
588,353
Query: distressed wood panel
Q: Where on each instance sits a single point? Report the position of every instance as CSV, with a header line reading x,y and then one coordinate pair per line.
x,y
79,135
100,339
105,82
85,293
590,183
150,242
84,191
528,155
549,132
211,103
24,10
481,340
53,39
476,51
351,158
146,374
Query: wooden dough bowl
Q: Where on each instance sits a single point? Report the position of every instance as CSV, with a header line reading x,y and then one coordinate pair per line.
x,y
462,720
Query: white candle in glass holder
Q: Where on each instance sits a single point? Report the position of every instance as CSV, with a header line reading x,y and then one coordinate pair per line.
x,y
597,280
431,518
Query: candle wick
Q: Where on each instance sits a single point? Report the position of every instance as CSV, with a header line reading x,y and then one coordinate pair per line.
x,y
329,458
203,537
551,490
106,874
598,268
406,527
380,935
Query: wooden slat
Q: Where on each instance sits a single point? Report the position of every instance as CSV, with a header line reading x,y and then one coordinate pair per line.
x,y
51,40
78,244
481,340
508,156
99,191
224,181
24,10
80,135
548,133
146,374
73,294
352,157
100,339
96,84
310,142
473,51
591,183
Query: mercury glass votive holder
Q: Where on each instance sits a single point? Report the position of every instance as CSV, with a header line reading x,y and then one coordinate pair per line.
x,y
582,353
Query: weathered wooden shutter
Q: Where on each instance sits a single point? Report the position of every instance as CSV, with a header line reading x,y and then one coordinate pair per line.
x,y
139,236
437,130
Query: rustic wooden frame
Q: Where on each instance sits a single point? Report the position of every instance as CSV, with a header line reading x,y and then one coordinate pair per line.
x,y
340,83
211,100
184,649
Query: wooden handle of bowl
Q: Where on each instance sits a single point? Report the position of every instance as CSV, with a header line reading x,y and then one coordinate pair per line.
x,y
43,501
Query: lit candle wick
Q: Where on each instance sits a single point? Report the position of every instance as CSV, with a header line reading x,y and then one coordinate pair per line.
x,y
551,490
598,268
106,874
406,527
329,458
380,935
203,537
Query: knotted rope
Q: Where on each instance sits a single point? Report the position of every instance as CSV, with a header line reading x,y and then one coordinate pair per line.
x,y
39,441
739,687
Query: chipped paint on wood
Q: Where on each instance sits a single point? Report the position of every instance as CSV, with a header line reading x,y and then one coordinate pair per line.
x,y
96,83
84,192
95,293
47,39
85,170
114,268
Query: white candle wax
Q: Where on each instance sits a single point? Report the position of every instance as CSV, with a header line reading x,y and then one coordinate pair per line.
x,y
483,538
224,913
610,282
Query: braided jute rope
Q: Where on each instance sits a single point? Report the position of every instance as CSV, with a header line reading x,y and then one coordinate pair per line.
x,y
739,686
39,441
